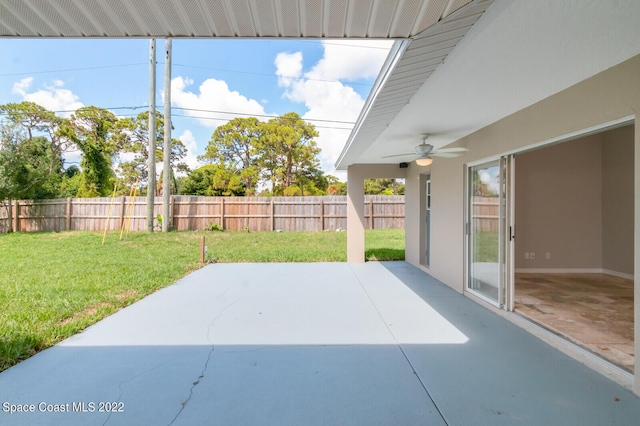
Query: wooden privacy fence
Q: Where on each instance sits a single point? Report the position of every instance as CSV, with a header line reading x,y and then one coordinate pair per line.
x,y
195,213
484,214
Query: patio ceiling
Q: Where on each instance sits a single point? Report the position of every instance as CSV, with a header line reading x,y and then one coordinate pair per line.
x,y
222,18
516,54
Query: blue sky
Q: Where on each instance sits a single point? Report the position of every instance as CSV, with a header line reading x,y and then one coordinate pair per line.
x,y
325,80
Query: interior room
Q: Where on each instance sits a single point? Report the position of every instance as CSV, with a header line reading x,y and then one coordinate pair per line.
x,y
574,209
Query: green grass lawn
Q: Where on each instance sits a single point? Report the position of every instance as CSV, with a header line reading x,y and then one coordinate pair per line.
x,y
53,285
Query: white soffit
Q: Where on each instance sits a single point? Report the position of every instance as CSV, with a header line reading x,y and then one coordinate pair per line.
x,y
405,71
518,53
222,18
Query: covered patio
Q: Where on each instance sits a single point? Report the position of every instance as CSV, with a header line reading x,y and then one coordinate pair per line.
x,y
327,343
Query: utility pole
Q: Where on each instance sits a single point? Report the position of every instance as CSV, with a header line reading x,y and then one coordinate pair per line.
x,y
166,169
151,183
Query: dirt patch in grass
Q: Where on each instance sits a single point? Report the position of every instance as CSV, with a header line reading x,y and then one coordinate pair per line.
x,y
86,312
127,294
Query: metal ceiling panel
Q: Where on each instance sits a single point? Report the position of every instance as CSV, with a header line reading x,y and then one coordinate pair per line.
x,y
310,11
149,22
336,18
29,17
219,18
406,17
56,20
382,17
359,18
97,13
452,6
222,18
432,15
120,13
290,18
267,25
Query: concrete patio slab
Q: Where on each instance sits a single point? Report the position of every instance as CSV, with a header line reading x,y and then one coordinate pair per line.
x,y
309,344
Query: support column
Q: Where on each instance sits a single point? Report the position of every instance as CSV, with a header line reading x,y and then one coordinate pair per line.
x,y
166,169
355,216
414,215
151,180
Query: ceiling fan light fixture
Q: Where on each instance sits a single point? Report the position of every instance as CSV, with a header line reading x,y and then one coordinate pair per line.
x,y
426,161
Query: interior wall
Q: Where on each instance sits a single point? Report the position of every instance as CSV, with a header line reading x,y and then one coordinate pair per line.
x,y
574,201
559,206
617,200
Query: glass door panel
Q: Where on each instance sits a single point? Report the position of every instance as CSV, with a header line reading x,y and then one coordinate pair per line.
x,y
485,231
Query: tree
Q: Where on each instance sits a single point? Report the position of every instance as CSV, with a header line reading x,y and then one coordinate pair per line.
x,y
234,147
137,169
213,180
22,167
288,152
28,167
37,121
383,187
95,131
335,187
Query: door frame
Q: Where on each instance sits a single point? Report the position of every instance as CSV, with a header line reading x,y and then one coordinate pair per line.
x,y
506,231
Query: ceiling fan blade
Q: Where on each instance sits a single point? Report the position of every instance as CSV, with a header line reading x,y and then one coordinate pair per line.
x,y
399,155
457,149
444,154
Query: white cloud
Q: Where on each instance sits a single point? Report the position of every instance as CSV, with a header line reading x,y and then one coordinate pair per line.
x,y
54,97
288,68
325,97
213,95
351,59
190,143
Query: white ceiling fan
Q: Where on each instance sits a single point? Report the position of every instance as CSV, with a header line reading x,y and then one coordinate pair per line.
x,y
425,151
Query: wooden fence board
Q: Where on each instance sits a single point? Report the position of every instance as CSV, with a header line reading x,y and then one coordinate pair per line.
x,y
198,213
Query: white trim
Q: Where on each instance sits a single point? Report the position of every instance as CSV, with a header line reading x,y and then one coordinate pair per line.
x,y
574,271
395,54
618,274
482,297
425,269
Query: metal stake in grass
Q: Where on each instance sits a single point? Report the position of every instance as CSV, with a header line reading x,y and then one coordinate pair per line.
x,y
106,224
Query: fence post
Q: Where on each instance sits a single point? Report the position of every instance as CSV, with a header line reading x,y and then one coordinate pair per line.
x,y
67,224
172,204
272,220
322,215
371,211
222,213
9,216
16,215
123,213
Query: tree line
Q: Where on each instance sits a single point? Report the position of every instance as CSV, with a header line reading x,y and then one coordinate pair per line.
x,y
245,156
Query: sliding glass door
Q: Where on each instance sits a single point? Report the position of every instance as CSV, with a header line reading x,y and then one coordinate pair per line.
x,y
490,231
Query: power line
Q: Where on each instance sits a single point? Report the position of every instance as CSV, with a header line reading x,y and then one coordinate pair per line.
x,y
223,119
181,65
262,115
215,112
74,69
269,75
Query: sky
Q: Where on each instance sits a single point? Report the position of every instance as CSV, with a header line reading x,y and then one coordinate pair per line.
x,y
213,81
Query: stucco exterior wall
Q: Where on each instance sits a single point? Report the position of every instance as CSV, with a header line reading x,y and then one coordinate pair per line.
x,y
611,95
356,174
